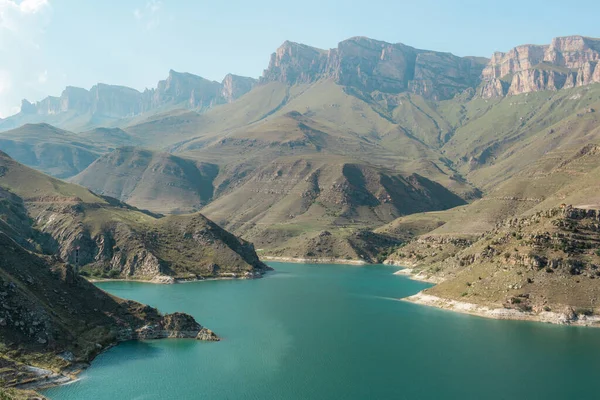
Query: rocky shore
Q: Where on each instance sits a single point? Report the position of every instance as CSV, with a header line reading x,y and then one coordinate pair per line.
x,y
409,272
324,260
170,326
169,280
568,317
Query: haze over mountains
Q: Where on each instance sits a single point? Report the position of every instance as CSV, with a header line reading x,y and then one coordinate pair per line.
x,y
326,141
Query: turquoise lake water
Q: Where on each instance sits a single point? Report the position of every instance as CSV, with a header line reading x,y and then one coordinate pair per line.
x,y
337,332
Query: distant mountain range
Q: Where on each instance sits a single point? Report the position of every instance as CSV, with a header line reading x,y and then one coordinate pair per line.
x,y
369,151
104,103
359,63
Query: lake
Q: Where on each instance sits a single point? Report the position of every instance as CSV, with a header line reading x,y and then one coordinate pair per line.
x,y
336,332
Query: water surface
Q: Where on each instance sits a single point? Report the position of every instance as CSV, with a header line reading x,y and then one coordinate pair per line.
x,y
336,332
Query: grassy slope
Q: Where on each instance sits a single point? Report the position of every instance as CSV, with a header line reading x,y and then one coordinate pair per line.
x,y
114,236
156,181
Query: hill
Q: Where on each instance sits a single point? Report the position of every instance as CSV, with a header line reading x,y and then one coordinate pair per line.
x,y
410,120
159,182
105,237
49,149
57,321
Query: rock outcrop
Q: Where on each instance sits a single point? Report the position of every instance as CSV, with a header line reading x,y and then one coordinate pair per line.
x,y
54,319
546,261
565,63
110,101
103,237
235,86
370,65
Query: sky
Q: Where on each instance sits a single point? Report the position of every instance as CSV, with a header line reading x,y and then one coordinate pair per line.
x,y
46,45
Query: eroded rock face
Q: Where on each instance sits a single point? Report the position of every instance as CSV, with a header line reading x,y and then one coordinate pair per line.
x,y
235,86
48,310
370,65
182,89
565,63
177,325
152,252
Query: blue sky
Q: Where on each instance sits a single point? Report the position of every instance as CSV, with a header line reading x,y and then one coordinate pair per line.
x,y
48,44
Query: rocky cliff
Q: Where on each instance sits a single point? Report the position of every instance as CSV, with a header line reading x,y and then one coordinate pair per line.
x,y
54,320
370,65
106,238
179,89
565,63
235,86
544,262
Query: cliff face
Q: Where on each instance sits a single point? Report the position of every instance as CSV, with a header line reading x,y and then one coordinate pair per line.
x,y
111,101
565,63
52,318
371,65
106,238
235,86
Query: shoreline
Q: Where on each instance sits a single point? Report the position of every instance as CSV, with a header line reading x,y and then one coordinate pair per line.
x,y
410,274
169,280
501,313
299,260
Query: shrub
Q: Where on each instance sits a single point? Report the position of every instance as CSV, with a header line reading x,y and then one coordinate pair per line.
x,y
584,311
546,308
598,252
463,294
114,273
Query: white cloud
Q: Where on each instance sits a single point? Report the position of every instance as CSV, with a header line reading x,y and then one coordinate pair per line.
x,y
14,15
33,6
149,16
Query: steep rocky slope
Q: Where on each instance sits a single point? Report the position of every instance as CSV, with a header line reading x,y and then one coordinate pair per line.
x,y
104,237
55,320
522,251
159,182
105,105
567,62
370,65
290,202
545,265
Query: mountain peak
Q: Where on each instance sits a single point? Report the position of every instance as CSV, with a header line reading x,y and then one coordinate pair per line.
x,y
371,65
566,62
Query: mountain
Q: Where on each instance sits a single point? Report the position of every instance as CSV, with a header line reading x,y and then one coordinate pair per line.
x,y
370,65
53,322
159,182
530,246
567,62
105,105
58,152
104,237
49,149
409,130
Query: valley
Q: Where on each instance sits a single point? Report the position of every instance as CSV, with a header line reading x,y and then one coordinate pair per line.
x,y
479,175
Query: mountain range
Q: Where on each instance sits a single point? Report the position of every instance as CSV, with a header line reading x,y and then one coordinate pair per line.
x,y
368,151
